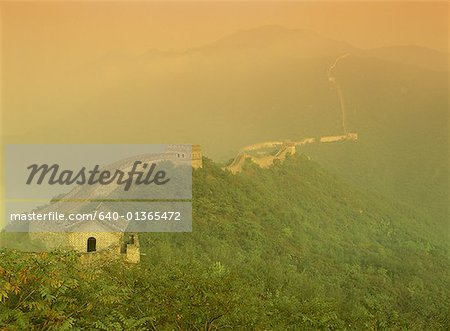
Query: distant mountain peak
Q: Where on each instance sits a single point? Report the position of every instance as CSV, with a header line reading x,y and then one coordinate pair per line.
x,y
273,29
268,32
308,42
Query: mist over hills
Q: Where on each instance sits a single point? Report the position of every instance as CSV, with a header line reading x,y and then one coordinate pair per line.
x,y
270,83
242,83
411,55
300,43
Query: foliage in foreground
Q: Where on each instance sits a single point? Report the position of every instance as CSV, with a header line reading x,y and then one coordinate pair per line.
x,y
286,248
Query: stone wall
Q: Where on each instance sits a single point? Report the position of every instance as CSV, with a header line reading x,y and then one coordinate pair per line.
x,y
197,156
264,161
287,148
180,153
133,253
78,240
49,240
109,245
347,136
104,256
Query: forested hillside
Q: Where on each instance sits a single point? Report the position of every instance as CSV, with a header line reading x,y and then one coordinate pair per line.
x,y
401,116
291,247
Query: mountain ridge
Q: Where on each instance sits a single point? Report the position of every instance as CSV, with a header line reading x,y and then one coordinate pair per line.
x,y
261,37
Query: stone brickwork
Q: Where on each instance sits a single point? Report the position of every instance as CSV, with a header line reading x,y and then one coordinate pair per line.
x,y
264,161
133,251
285,148
180,153
197,156
108,245
49,240
347,136
105,255
103,240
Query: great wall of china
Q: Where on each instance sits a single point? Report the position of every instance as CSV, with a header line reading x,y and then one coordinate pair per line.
x,y
283,149
265,159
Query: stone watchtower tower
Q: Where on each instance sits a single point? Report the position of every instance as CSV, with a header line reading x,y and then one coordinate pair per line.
x,y
181,153
197,156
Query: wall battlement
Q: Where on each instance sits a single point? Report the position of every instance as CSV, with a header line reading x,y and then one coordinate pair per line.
x,y
284,149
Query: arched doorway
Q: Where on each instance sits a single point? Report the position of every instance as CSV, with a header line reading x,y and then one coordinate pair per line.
x,y
91,244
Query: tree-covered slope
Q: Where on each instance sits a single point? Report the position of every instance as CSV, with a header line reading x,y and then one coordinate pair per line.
x,y
401,116
290,247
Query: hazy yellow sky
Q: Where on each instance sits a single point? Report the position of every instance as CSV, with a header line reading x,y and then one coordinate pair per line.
x,y
78,31
45,39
